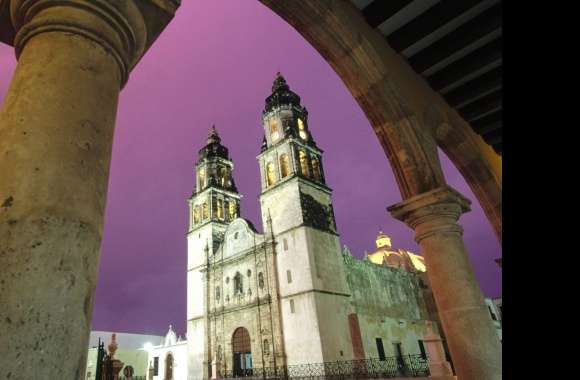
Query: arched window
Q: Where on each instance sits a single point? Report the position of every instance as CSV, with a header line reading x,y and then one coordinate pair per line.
x,y
301,129
238,284
266,347
201,177
220,209
233,210
196,215
274,130
270,174
284,165
169,367
224,177
316,169
303,163
205,211
261,280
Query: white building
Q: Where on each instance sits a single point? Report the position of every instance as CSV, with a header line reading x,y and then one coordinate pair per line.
x,y
131,350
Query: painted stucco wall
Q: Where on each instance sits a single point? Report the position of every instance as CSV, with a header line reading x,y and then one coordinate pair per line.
x,y
179,352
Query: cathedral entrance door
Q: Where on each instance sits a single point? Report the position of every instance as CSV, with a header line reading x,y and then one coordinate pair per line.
x,y
242,353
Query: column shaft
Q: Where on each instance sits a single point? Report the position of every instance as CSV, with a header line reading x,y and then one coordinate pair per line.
x,y
469,330
56,133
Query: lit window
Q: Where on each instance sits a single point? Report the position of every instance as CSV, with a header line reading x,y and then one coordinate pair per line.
x,y
196,215
233,211
220,209
316,169
302,130
201,177
270,174
284,165
274,132
205,211
303,162
224,177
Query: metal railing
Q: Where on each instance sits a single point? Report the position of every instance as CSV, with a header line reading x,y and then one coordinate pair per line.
x,y
391,367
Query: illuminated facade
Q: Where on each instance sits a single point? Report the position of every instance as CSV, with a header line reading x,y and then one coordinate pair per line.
x,y
289,295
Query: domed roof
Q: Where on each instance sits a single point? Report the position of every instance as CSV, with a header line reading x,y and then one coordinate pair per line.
x,y
281,94
213,148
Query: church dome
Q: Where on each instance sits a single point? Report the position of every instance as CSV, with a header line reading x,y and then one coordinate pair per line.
x,y
213,148
281,94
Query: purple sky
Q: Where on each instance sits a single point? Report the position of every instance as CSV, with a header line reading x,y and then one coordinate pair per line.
x,y
215,63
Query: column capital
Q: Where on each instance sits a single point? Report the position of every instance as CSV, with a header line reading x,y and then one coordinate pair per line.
x,y
125,29
435,211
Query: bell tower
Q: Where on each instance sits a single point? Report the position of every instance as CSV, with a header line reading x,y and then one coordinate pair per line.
x,y
296,206
214,204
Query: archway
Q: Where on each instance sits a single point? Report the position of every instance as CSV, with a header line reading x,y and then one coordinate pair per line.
x,y
76,203
242,353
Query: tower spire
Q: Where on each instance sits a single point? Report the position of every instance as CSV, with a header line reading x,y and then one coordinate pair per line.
x,y
213,136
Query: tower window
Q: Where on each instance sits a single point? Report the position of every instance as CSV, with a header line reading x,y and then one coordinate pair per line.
x,y
233,210
301,129
220,209
289,276
196,215
285,242
292,310
201,177
205,211
284,165
270,174
316,169
274,130
224,177
303,163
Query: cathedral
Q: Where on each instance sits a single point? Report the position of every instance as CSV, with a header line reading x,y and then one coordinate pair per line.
x,y
289,295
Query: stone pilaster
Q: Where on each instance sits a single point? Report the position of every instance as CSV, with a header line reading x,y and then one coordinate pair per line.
x,y
56,133
471,336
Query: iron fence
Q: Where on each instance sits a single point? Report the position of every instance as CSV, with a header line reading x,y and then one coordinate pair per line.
x,y
133,378
391,367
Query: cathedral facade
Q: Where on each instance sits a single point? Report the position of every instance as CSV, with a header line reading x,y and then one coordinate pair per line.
x,y
289,295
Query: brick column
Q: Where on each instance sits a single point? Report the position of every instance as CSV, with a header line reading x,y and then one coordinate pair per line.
x,y
473,343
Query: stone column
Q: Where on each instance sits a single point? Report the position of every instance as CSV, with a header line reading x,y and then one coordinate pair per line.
x,y
56,133
473,343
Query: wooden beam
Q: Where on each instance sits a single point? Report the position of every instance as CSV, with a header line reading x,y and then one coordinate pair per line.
x,y
481,106
475,88
457,40
429,21
379,11
484,122
494,137
485,55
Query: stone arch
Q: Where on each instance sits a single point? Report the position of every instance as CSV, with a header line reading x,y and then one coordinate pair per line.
x,y
406,114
